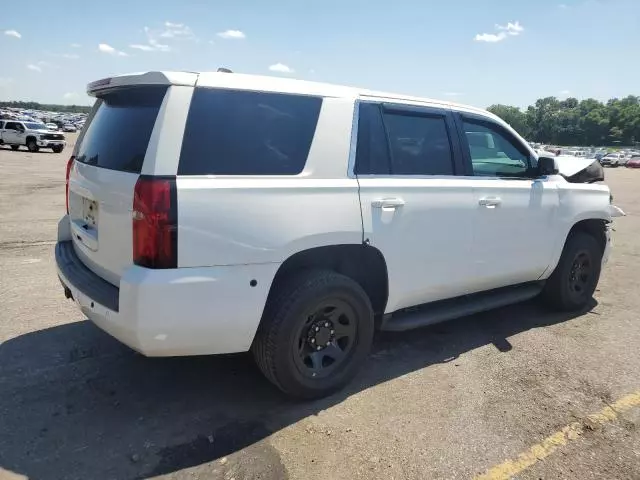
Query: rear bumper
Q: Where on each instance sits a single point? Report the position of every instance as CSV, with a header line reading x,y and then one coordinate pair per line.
x,y
184,311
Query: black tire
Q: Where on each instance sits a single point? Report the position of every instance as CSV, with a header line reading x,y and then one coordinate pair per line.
x,y
32,146
15,147
57,149
284,346
571,285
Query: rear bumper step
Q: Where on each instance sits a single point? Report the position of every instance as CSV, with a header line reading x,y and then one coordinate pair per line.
x,y
83,279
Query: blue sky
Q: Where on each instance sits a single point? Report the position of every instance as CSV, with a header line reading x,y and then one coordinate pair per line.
x,y
478,52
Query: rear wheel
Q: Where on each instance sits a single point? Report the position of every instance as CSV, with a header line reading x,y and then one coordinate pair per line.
x,y
57,149
15,147
32,146
315,334
571,285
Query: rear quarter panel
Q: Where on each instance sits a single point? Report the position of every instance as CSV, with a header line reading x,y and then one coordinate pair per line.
x,y
233,220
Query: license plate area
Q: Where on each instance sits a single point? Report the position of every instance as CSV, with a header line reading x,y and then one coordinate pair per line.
x,y
90,213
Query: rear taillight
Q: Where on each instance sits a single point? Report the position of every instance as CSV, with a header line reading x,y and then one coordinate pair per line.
x,y
155,222
66,192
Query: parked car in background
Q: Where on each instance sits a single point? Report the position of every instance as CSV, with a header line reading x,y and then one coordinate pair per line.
x,y
69,128
33,135
52,126
613,160
634,162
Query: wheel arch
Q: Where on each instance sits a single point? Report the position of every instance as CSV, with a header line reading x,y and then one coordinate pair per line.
x,y
595,225
362,263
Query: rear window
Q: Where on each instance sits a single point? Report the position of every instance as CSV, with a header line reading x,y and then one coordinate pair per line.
x,y
118,134
231,132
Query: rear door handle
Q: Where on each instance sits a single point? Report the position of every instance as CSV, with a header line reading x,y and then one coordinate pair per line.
x,y
490,202
388,203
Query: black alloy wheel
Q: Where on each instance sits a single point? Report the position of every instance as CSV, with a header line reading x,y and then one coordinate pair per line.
x,y
326,339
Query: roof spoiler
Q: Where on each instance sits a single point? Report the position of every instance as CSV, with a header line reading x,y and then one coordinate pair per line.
x,y
149,78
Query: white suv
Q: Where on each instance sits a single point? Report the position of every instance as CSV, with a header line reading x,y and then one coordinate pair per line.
x,y
291,218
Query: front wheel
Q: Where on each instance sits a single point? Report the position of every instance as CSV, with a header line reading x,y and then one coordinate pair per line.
x,y
57,149
315,334
32,146
15,147
571,285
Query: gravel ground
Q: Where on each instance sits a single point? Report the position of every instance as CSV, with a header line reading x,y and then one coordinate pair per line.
x,y
450,401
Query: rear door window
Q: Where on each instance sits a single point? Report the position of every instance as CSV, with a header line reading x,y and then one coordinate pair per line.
x,y
419,144
232,132
118,134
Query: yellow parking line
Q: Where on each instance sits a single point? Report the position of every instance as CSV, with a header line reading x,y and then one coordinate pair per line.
x,y
542,450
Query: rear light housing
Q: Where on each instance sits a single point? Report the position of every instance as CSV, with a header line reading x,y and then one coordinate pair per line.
x,y
155,222
68,173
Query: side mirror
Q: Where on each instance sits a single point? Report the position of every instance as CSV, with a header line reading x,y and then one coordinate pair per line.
x,y
547,166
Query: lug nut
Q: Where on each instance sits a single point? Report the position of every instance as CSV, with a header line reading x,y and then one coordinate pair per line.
x,y
317,329
313,340
326,324
332,332
318,347
328,343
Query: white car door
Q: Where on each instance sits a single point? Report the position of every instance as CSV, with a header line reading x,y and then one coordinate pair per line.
x,y
516,222
415,209
10,133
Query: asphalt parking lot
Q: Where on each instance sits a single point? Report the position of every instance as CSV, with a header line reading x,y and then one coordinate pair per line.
x,y
556,395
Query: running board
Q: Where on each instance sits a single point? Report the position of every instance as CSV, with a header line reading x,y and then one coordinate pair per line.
x,y
444,310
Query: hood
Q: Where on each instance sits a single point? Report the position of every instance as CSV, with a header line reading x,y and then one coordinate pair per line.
x,y
580,170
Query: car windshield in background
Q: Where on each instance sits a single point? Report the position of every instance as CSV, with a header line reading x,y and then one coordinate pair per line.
x,y
118,135
35,126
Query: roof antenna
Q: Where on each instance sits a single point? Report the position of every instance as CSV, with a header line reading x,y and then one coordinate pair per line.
x,y
224,70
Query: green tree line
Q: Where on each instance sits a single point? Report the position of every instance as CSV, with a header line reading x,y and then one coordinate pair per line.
x,y
47,107
571,122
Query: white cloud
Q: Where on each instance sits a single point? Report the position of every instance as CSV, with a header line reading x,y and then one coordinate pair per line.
x,y
70,56
12,33
75,45
512,29
104,48
173,31
144,48
490,37
70,95
565,92
232,35
42,63
280,68
177,30
35,68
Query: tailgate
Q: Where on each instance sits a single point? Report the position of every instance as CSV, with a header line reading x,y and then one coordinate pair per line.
x,y
108,161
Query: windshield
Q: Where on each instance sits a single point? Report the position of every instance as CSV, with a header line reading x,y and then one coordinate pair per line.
x,y
35,126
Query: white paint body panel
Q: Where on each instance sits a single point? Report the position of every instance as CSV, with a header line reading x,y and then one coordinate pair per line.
x,y
426,241
437,239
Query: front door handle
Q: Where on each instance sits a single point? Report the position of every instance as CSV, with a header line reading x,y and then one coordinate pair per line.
x,y
388,203
490,202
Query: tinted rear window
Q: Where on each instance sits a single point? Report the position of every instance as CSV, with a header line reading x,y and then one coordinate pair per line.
x,y
230,132
118,134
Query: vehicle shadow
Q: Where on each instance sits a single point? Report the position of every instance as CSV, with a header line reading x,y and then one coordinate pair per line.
x,y
76,404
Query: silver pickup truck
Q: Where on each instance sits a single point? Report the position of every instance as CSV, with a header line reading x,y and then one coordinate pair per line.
x,y
33,135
